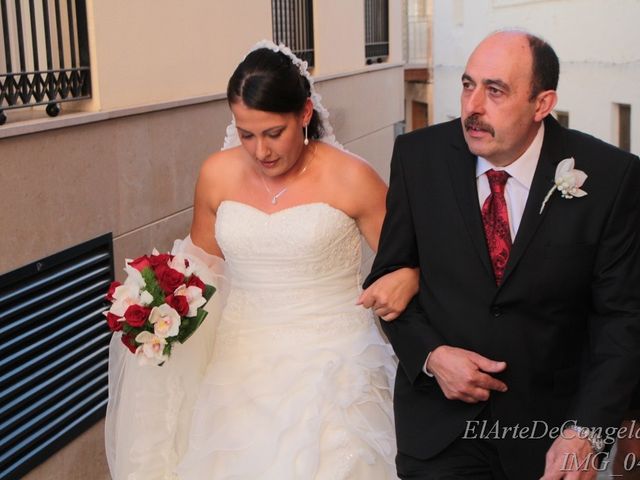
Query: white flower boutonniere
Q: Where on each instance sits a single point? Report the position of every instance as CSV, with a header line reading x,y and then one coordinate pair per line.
x,y
568,181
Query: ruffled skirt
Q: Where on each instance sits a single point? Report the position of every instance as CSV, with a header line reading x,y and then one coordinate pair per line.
x,y
307,402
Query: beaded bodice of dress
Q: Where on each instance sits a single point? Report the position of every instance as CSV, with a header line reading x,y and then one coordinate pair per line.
x,y
300,264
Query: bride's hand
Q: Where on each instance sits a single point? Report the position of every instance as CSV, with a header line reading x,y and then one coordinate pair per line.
x,y
390,294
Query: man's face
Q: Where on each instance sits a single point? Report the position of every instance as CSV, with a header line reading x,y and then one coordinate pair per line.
x,y
499,120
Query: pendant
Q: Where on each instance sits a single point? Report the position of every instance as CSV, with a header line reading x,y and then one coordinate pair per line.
x,y
274,199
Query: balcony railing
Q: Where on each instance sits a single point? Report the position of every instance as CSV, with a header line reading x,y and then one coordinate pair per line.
x,y
44,54
293,26
376,29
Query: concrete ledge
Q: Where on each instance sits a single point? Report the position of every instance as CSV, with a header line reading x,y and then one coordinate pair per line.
x,y
82,118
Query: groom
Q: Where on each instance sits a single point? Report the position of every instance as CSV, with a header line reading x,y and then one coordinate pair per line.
x,y
523,343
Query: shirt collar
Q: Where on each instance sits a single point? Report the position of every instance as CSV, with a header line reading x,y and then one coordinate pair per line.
x,y
524,167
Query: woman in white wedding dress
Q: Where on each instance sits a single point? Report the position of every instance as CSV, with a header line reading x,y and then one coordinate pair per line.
x,y
299,382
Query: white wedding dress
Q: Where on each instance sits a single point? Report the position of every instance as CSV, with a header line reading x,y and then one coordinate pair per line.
x,y
299,382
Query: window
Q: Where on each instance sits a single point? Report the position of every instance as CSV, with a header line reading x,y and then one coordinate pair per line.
x,y
376,30
624,126
44,54
293,26
563,118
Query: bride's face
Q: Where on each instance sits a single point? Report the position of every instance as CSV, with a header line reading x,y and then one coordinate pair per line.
x,y
274,140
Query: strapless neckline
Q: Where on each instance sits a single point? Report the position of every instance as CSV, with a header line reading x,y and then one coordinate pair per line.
x,y
290,209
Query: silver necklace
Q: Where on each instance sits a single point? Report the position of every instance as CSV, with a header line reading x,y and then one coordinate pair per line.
x,y
276,196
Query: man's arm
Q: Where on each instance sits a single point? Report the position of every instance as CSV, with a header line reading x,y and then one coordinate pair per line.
x,y
614,331
411,334
614,321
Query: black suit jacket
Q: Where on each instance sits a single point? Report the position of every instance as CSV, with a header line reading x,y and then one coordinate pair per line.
x,y
566,318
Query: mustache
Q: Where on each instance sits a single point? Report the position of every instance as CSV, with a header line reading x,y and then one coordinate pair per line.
x,y
474,122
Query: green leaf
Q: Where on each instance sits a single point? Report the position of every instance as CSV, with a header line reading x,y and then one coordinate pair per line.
x,y
190,325
209,290
152,286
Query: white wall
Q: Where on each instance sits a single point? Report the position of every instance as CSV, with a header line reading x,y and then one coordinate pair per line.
x,y
596,42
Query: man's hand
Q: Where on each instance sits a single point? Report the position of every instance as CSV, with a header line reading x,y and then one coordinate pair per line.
x,y
464,375
390,294
569,458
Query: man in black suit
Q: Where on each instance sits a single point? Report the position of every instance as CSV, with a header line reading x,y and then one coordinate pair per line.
x,y
524,339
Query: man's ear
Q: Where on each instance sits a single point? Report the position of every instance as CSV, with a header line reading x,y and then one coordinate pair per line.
x,y
545,103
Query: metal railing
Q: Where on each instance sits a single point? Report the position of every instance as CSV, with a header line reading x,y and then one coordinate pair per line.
x,y
44,54
376,30
293,26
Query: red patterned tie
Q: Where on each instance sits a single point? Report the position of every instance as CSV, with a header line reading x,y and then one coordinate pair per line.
x,y
496,223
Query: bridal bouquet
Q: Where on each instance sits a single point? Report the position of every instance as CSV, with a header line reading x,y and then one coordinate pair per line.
x,y
161,302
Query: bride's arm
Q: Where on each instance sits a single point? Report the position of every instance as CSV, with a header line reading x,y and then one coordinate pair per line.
x,y
205,205
390,294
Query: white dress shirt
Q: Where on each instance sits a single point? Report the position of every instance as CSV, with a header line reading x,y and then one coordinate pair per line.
x,y
518,185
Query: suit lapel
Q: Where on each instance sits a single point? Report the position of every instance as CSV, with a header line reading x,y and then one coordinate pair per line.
x,y
462,168
550,156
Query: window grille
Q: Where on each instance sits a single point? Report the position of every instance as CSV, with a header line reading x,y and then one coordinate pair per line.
x,y
44,54
293,26
376,30
53,353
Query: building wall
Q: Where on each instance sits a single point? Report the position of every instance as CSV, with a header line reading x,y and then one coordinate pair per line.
x,y
593,39
126,161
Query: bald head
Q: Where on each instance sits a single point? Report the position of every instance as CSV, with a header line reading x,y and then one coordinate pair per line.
x,y
541,61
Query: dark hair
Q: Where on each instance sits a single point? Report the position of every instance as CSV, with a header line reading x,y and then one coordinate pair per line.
x,y
546,67
269,81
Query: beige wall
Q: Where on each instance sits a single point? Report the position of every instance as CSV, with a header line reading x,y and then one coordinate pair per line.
x,y
82,459
148,51
134,176
158,50
346,21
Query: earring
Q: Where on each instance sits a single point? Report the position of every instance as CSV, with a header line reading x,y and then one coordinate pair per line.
x,y
306,134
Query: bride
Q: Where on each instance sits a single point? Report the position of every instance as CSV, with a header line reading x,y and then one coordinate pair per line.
x,y
297,383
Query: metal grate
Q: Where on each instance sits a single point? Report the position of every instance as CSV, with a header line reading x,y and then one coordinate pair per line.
x,y
53,353
293,26
45,54
376,30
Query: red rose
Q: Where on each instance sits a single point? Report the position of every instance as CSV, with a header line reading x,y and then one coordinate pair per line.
x,y
136,315
194,281
140,263
129,342
113,321
179,303
112,289
168,278
160,259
